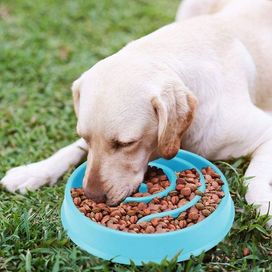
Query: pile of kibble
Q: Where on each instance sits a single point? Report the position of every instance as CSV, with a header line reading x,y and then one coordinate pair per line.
x,y
125,216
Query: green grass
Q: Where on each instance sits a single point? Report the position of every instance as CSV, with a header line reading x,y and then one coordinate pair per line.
x,y
44,46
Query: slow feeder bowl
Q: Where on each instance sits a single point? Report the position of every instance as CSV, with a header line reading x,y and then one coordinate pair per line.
x,y
121,247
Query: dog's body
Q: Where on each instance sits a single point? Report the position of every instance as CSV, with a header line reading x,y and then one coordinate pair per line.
x,y
213,69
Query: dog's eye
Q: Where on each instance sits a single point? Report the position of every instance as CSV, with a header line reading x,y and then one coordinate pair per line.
x,y
127,144
118,144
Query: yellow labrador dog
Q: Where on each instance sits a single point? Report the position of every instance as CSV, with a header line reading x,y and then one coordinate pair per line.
x,y
203,83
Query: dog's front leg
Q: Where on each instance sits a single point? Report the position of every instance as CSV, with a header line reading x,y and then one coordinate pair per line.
x,y
32,176
260,186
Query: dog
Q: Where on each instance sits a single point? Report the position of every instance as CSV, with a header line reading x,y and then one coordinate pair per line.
x,y
202,83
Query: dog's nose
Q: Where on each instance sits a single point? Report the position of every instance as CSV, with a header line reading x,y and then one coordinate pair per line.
x,y
96,197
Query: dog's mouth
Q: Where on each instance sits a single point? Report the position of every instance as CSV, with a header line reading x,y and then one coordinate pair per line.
x,y
128,191
116,201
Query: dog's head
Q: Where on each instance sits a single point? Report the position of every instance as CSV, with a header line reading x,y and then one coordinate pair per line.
x,y
128,119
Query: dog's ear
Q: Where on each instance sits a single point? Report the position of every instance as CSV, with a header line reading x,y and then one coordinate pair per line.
x,y
76,94
175,108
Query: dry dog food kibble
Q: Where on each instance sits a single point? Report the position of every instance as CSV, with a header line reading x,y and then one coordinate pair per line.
x,y
125,216
156,182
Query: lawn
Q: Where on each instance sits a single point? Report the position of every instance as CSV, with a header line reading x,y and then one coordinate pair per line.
x,y
44,46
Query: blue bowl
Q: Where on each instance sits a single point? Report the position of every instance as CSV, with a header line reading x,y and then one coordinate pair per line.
x,y
121,247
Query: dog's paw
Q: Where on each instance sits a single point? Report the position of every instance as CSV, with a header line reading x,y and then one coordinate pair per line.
x,y
27,178
260,194
264,207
